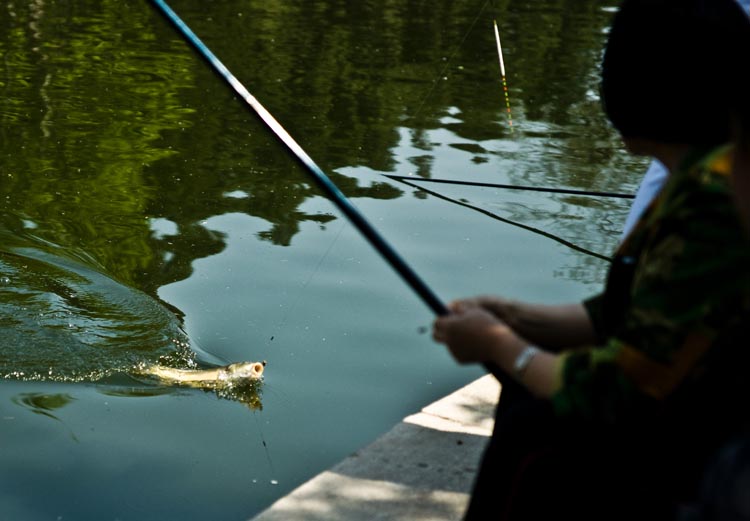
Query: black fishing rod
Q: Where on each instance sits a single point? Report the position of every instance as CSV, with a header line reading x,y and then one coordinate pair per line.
x,y
320,178
570,191
409,182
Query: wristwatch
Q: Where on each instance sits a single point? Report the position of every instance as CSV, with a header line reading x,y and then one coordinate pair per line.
x,y
523,360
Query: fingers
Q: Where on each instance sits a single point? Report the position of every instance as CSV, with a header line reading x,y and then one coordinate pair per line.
x,y
442,327
441,324
467,335
457,306
438,329
462,321
493,304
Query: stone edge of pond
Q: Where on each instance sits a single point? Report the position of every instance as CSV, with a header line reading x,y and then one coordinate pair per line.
x,y
423,468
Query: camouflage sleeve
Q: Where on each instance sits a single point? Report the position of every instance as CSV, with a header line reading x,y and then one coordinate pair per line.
x,y
690,280
595,311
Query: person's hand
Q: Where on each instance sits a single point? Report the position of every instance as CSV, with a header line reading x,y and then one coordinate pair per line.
x,y
498,306
472,333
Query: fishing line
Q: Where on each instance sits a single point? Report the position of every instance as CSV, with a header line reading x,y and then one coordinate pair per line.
x,y
314,272
265,448
449,59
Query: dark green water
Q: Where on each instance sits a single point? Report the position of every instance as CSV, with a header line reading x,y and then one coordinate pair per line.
x,y
146,216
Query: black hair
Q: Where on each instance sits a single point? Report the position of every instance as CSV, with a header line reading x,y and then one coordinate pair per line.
x,y
670,70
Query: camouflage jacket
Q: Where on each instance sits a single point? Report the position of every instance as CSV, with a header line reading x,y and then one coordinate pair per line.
x,y
672,320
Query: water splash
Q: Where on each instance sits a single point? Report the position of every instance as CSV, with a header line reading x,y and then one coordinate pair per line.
x,y
63,321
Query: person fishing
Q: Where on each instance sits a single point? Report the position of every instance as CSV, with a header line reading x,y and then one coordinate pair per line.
x,y
723,493
601,400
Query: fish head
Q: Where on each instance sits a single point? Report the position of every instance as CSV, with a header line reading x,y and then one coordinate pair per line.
x,y
245,370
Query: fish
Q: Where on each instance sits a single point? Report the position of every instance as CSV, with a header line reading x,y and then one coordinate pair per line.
x,y
239,381
212,378
64,320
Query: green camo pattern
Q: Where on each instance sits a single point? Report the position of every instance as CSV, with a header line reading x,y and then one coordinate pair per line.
x,y
688,286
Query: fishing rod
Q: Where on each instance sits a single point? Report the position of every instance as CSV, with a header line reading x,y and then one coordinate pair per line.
x,y
317,174
409,182
570,191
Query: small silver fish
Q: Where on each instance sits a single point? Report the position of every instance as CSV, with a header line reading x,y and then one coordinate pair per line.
x,y
216,377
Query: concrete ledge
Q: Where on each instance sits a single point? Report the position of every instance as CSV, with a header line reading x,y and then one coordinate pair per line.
x,y
422,469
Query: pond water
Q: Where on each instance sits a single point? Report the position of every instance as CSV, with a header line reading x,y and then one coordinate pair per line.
x,y
146,216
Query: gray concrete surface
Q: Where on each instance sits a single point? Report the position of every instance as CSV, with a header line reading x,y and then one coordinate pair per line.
x,y
421,470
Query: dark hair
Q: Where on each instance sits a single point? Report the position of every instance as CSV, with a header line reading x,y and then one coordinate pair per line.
x,y
670,70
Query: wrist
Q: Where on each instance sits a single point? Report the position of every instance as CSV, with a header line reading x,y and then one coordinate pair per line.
x,y
522,361
508,345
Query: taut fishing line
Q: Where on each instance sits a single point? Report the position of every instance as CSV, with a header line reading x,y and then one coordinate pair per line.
x,y
314,272
455,50
265,448
419,108
449,59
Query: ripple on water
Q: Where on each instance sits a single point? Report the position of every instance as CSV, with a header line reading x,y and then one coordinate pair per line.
x,y
64,321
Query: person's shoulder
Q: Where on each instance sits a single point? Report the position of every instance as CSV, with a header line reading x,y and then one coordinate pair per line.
x,y
706,172
718,162
698,213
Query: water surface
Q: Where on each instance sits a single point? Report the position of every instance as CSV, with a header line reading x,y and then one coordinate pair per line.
x,y
147,216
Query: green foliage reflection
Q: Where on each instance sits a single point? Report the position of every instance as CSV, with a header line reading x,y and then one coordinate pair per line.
x,y
109,124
